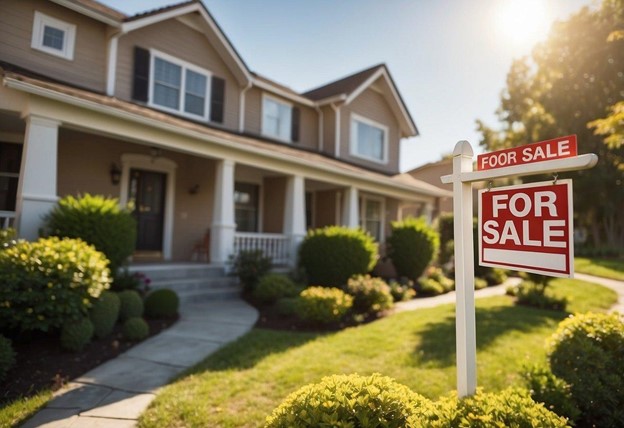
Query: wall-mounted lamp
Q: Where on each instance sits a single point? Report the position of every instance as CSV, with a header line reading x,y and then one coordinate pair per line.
x,y
115,174
193,190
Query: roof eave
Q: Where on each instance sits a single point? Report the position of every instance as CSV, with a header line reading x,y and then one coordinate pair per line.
x,y
84,10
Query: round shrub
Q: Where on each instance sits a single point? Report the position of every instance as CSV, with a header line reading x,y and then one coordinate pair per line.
x,y
48,282
274,286
349,401
412,246
370,295
587,351
480,283
287,306
332,255
7,356
97,220
135,329
402,291
323,305
131,304
76,334
162,303
104,314
555,393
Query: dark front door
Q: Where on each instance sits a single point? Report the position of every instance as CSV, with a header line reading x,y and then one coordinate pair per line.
x,y
147,191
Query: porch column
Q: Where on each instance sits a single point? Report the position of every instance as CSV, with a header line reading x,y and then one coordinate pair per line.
x,y
294,214
223,225
350,209
428,212
36,192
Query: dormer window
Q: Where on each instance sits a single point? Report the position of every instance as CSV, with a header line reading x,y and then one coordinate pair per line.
x,y
53,36
369,139
280,120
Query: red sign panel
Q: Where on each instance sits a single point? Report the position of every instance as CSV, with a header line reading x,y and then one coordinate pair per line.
x,y
528,228
557,148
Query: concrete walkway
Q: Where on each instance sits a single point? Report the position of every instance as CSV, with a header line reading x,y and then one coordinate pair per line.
x,y
117,392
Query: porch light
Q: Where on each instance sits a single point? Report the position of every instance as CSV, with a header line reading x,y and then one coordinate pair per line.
x,y
115,174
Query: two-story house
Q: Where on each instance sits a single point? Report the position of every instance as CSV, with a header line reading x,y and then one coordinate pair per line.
x,y
160,111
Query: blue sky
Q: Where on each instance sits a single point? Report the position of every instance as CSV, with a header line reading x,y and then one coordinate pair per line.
x,y
449,58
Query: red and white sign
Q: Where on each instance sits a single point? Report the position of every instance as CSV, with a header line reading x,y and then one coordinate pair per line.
x,y
528,227
558,148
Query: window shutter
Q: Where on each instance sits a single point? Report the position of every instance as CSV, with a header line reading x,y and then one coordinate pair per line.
x,y
217,99
294,130
140,84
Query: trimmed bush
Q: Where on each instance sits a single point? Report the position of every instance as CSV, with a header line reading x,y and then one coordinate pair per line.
x,y
104,314
370,295
274,286
530,294
587,351
495,276
7,356
48,282
98,221
480,283
124,280
287,306
446,229
131,305
135,329
412,246
332,255
434,282
555,393
348,401
323,305
402,291
250,266
76,334
161,303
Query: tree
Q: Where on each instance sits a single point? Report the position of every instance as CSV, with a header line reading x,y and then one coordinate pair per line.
x,y
572,84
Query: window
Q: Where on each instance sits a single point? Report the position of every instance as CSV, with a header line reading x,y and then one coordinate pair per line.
x,y
369,140
371,217
276,119
246,207
10,160
178,86
53,36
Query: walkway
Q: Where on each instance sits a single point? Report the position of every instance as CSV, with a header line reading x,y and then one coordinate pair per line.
x,y
613,284
117,392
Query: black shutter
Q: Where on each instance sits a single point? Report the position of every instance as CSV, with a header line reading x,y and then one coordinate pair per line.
x,y
294,130
217,99
140,84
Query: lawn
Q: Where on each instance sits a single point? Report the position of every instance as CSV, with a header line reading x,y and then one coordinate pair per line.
x,y
242,383
607,268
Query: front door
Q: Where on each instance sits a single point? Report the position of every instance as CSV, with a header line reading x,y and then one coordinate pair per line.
x,y
147,193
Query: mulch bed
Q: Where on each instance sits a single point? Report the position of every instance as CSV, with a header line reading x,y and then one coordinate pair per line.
x,y
42,364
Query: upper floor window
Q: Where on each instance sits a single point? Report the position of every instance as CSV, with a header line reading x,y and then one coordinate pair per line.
x,y
280,120
53,36
369,139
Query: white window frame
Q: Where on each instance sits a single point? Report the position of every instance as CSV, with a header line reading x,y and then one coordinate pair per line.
x,y
268,134
353,140
41,21
364,198
185,66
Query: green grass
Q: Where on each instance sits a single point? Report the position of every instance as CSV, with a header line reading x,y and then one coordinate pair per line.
x,y
12,414
242,383
607,268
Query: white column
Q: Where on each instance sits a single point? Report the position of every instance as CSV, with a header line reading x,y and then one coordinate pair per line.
x,y
428,212
350,208
294,214
36,193
223,225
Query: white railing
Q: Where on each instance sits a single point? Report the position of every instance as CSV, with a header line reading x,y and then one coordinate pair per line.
x,y
273,245
7,219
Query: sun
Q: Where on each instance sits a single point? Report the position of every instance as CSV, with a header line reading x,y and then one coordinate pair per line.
x,y
522,23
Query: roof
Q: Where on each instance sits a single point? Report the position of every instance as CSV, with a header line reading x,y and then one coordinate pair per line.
x,y
345,86
163,9
101,8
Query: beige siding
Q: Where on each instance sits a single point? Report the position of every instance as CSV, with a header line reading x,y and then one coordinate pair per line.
x,y
274,191
253,111
179,40
329,130
87,69
308,129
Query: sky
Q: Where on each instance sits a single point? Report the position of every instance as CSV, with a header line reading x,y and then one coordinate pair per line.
x,y
448,58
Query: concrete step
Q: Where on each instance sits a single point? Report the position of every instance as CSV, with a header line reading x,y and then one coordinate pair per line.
x,y
158,272
191,284
221,293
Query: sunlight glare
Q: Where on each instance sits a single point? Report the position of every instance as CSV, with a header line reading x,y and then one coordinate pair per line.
x,y
523,22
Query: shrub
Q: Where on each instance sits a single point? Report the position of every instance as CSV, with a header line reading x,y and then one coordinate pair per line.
x,y
7,238
131,305
480,283
348,401
530,294
161,303
135,329
332,255
555,393
124,280
446,229
98,221
287,306
76,334
104,314
434,282
587,352
402,290
370,295
48,282
495,276
323,305
250,266
7,356
274,286
413,245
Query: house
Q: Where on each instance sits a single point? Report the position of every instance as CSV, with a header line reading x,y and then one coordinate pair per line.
x,y
431,173
160,111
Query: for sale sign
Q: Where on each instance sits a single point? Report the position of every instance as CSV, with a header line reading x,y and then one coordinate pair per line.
x,y
528,227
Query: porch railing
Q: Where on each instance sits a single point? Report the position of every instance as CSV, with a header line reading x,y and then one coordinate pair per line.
x,y
7,219
273,245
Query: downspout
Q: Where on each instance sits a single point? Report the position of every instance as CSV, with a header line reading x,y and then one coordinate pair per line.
x,y
320,127
337,129
241,104
111,63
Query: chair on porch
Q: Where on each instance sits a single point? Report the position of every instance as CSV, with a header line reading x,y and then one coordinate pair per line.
x,y
201,249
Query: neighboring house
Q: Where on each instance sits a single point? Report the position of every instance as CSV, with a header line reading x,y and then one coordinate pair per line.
x,y
160,111
431,173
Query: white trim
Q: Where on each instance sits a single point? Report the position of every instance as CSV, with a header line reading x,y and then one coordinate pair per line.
x,y
163,165
382,214
88,12
353,138
276,100
111,64
336,130
282,93
320,128
40,21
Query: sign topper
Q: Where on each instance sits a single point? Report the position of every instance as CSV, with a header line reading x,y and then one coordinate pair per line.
x,y
528,227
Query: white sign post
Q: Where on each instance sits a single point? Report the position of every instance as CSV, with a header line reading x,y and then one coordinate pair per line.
x,y
547,157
